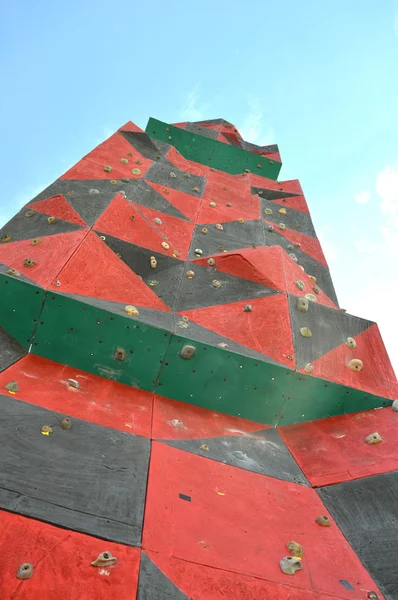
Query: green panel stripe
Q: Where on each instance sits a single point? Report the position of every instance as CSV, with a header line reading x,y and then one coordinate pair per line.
x,y
212,153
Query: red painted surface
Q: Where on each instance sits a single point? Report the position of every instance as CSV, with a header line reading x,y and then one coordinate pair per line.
x,y
291,186
102,401
205,583
188,205
333,450
377,375
61,562
130,126
308,244
266,329
184,164
241,521
263,265
109,153
177,232
95,271
243,205
59,207
50,255
116,220
295,202
174,420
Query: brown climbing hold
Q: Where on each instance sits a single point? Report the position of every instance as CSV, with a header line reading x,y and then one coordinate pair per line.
x,y
113,181
317,289
295,549
190,274
248,308
355,364
137,162
282,226
306,332
120,353
351,343
51,220
216,283
374,438
29,213
35,242
105,559
204,230
136,172
153,262
309,368
195,189
107,169
300,284
158,221
204,447
73,383
211,262
187,351
228,204
28,262
282,211
219,227
47,430
302,305
131,310
297,244
13,272
323,521
212,204
240,220
290,564
268,211
11,386
66,423
5,238
312,278
311,297
25,571
124,161
165,245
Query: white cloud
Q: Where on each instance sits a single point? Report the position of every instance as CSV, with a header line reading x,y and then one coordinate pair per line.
x,y
254,127
363,197
194,109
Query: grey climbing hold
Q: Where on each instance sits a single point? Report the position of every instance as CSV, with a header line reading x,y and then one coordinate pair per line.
x,y
11,386
351,343
105,559
173,174
355,364
187,351
293,256
300,284
93,191
295,549
125,180
73,383
290,564
323,521
120,353
395,406
107,169
248,308
306,332
239,455
373,438
302,305
28,262
66,423
290,247
25,571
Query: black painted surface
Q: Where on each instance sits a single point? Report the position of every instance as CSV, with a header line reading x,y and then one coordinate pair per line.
x,y
10,350
366,512
234,236
164,280
260,149
260,452
89,478
26,228
199,291
154,585
329,329
142,193
146,146
293,219
271,194
183,182
212,134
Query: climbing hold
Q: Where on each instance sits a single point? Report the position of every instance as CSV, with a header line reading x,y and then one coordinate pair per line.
x,y
295,549
317,289
212,204
136,172
105,559
282,211
51,220
270,228
395,406
173,174
258,165
11,386
125,179
323,521
103,238
5,238
152,282
297,244
158,221
290,564
248,308
302,305
221,248
28,262
311,297
113,181
107,169
373,596
219,227
120,353
224,187
198,252
29,213
187,351
239,455
247,170
25,571
351,343
195,189
170,137
290,247
47,430
374,438
306,332
204,447
293,256
355,364
268,211
153,262
124,161
216,283
165,245
35,242
312,278
182,324
204,230
131,310
222,345
282,226
240,220
211,262
300,284
190,274
301,267
309,368
13,272
66,423
73,383
228,204
175,253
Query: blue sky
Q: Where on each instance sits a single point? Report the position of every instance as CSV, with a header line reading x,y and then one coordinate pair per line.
x,y
320,78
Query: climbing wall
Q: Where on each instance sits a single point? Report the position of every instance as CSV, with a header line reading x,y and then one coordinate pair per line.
x,y
183,402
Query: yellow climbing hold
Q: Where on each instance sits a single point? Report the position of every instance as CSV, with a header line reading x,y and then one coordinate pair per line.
x,y
240,220
268,211
136,172
113,181
282,211
306,332
5,238
107,169
312,278
124,161
131,310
